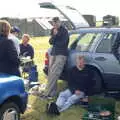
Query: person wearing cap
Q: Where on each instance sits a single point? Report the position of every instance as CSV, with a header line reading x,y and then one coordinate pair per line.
x,y
9,61
59,41
14,37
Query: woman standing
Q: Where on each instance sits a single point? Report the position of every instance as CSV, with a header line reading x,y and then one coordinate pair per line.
x,y
9,61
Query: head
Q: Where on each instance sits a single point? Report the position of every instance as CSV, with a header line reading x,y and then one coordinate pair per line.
x,y
5,28
56,22
80,61
25,39
15,30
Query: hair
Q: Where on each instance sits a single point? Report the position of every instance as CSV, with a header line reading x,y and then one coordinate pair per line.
x,y
27,36
5,27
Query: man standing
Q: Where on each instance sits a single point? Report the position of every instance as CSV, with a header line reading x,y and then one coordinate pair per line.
x,y
14,37
59,40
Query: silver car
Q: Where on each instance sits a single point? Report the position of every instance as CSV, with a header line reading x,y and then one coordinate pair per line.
x,y
97,45
100,46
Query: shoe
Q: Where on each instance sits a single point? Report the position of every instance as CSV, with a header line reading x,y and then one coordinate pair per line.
x,y
84,104
52,109
44,97
49,97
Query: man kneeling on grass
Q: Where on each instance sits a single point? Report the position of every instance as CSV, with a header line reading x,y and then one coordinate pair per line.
x,y
80,84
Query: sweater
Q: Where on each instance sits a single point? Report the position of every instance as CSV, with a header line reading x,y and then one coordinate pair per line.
x,y
27,50
81,79
60,42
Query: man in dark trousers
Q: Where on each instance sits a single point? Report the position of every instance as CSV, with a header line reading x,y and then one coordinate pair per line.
x,y
59,40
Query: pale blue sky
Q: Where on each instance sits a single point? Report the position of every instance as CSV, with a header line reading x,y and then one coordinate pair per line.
x,y
28,8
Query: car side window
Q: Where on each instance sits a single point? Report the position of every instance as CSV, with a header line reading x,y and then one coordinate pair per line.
x,y
73,38
85,41
105,46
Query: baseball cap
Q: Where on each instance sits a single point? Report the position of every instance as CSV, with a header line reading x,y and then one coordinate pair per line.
x,y
55,19
15,29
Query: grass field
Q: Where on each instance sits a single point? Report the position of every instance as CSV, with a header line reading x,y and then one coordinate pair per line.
x,y
38,106
37,112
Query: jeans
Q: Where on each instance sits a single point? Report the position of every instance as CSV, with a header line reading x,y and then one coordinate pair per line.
x,y
66,99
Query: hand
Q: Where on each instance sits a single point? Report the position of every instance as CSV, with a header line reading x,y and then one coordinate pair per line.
x,y
77,92
55,31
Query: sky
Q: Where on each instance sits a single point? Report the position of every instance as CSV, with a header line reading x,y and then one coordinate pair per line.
x,y
30,8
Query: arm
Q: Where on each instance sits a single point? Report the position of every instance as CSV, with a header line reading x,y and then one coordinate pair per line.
x,y
62,38
12,53
32,52
52,34
71,80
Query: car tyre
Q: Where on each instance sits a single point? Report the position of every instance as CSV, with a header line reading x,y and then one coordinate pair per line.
x,y
9,111
98,87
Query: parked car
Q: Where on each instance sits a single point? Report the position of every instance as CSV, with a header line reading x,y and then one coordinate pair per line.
x,y
96,45
13,97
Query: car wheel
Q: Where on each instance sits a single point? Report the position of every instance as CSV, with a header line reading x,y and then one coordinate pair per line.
x,y
9,111
98,88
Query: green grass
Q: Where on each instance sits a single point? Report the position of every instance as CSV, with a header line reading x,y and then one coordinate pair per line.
x,y
37,112
38,106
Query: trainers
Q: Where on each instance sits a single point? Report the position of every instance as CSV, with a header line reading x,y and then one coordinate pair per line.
x,y
84,104
44,97
49,97
51,108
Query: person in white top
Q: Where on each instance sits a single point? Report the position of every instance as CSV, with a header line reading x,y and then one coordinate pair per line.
x,y
14,37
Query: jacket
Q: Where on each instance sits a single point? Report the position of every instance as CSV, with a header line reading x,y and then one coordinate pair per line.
x,y
9,61
60,42
27,50
81,80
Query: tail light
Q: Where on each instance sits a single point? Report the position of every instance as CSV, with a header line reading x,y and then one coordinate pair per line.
x,y
46,58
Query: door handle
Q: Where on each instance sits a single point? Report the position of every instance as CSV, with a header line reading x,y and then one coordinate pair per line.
x,y
100,58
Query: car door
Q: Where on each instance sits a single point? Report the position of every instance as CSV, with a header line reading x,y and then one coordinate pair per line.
x,y
70,13
105,59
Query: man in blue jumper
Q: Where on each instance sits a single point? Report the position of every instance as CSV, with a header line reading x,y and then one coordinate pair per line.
x,y
80,84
